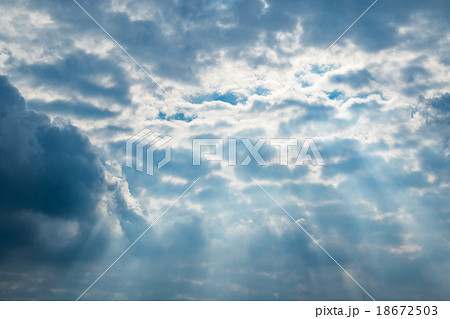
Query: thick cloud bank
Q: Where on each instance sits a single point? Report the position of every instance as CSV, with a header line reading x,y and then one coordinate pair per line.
x,y
53,187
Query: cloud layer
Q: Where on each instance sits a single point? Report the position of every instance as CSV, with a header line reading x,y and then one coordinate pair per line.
x,y
377,106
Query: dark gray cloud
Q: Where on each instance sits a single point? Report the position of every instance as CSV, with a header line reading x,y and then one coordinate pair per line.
x,y
75,109
82,73
46,172
51,185
356,79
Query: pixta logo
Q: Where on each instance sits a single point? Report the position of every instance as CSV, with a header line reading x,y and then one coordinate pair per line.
x,y
212,149
149,141
141,147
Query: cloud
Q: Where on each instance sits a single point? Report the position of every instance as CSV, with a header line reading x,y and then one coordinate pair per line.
x,y
76,109
54,188
356,79
88,74
435,111
70,207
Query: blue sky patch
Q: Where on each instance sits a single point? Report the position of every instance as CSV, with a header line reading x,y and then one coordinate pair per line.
x,y
335,95
228,97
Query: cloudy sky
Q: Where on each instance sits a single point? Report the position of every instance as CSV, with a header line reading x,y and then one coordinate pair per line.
x,y
377,105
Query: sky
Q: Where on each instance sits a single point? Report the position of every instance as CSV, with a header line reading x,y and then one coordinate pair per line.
x,y
376,104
